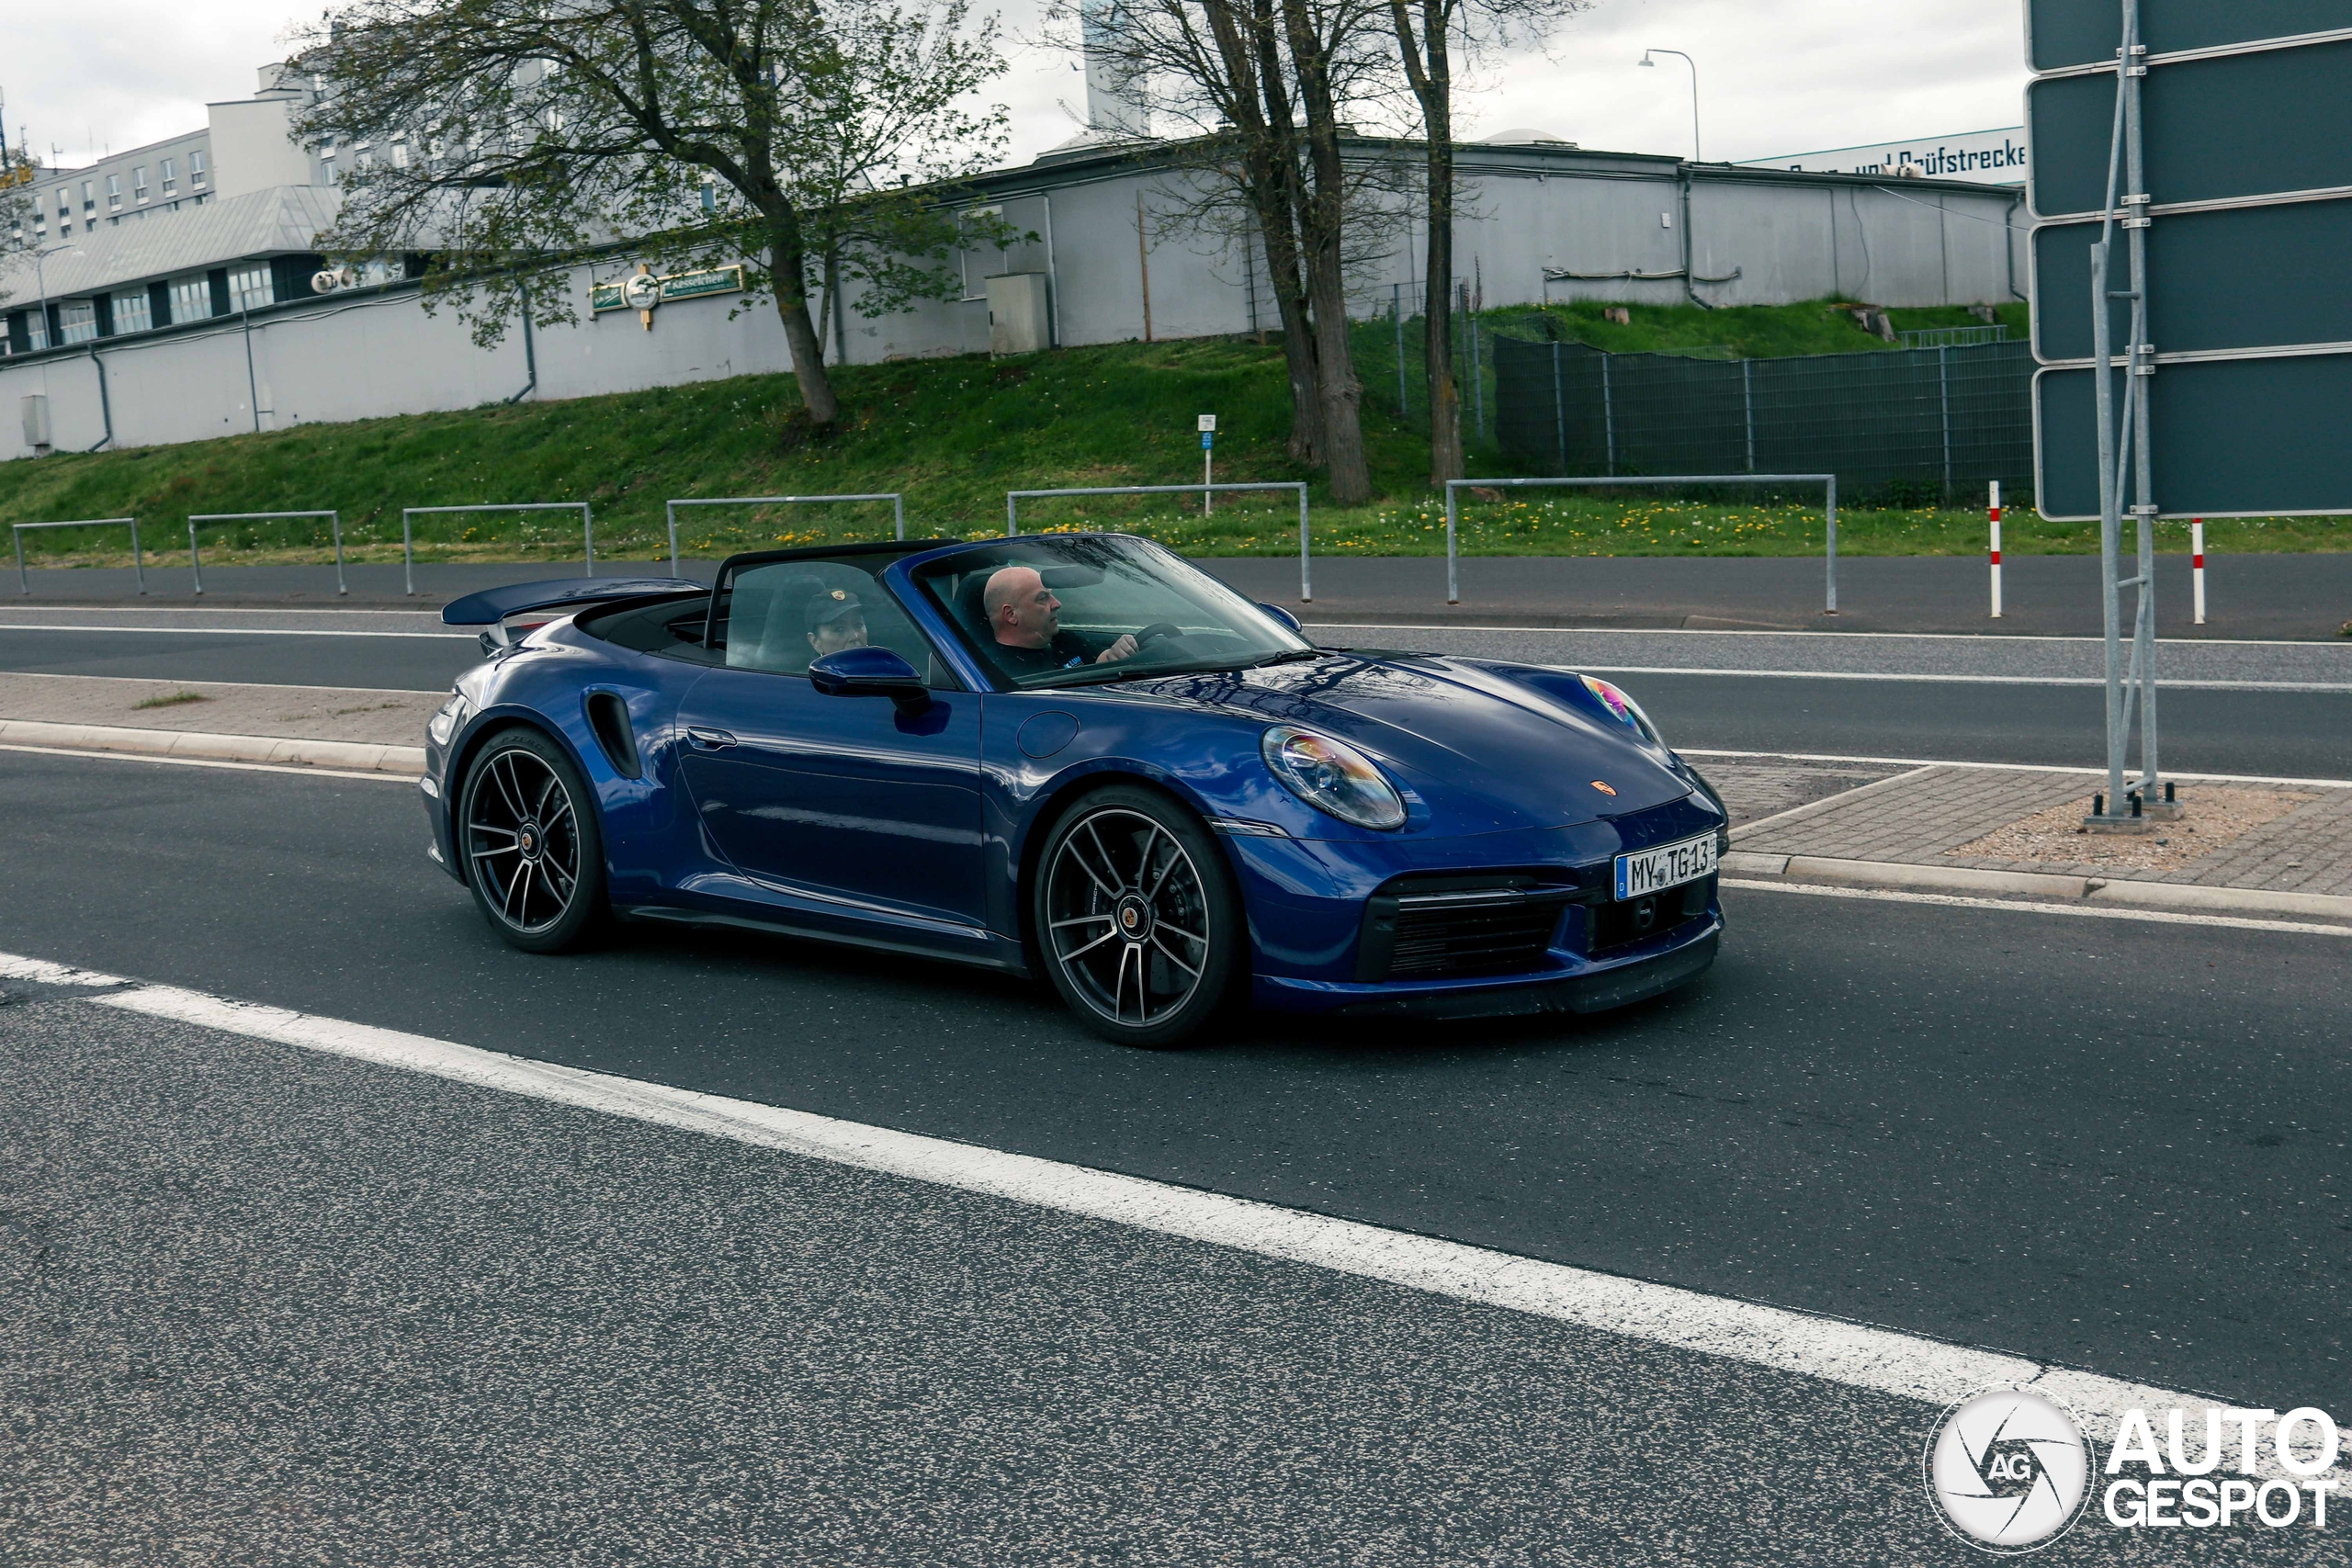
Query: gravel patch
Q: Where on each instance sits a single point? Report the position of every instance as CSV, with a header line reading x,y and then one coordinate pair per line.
x,y
2216,816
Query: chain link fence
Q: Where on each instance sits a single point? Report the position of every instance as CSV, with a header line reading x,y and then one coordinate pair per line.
x,y
1902,427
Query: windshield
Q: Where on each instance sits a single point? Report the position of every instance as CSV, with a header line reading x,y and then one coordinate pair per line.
x,y
1088,607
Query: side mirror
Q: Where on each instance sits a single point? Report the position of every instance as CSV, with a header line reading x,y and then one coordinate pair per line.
x,y
870,672
1284,616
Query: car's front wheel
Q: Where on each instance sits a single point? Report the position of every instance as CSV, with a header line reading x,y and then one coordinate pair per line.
x,y
1136,916
527,827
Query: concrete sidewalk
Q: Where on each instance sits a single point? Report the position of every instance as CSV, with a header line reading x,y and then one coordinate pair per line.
x,y
318,727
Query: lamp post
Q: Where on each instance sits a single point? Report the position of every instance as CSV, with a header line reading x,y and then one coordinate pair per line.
x,y
1695,154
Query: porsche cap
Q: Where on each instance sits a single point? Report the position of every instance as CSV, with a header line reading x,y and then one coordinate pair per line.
x,y
826,608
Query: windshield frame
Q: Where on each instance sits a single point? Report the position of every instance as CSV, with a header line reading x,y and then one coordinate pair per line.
x,y
916,580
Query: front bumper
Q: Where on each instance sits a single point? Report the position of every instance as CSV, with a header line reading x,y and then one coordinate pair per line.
x,y
1595,988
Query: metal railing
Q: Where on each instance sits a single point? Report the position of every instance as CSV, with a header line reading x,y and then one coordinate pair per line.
x,y
17,534
898,510
1953,337
1013,498
1829,508
197,566
408,545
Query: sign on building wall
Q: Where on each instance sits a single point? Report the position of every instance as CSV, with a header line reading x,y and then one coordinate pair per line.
x,y
1982,157
629,294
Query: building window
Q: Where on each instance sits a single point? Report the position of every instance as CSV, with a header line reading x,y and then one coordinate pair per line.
x,y
64,203
132,313
78,321
400,154
113,193
171,172
139,183
191,297
196,168
89,198
36,330
250,286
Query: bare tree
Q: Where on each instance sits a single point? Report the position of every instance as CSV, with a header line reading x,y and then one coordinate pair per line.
x,y
512,139
1425,48
1228,72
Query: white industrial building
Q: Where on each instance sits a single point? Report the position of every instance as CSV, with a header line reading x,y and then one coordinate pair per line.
x,y
149,326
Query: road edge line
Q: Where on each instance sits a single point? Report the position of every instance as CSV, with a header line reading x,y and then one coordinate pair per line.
x,y
1862,1355
2115,894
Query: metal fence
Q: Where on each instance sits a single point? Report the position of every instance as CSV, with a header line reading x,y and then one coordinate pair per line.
x,y
1013,498
196,561
670,510
16,532
410,514
1902,426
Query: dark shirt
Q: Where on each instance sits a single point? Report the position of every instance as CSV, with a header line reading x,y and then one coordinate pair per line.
x,y
1068,649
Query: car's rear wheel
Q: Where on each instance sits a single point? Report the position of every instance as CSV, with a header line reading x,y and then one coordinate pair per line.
x,y
527,827
1136,916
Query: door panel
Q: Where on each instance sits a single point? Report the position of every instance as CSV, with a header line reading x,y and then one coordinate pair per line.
x,y
845,797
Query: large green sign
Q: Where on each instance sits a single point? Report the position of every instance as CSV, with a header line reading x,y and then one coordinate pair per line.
x,y
617,294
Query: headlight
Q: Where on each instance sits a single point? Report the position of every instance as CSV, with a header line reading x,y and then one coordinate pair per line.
x,y
444,724
1627,710
1332,776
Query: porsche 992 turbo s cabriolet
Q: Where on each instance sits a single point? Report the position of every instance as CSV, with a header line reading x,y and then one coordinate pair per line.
x,y
1071,755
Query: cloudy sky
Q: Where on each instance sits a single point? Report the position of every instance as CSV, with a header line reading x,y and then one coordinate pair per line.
x,y
1775,76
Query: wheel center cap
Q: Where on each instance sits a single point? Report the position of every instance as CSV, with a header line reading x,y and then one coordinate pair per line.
x,y
527,839
1134,919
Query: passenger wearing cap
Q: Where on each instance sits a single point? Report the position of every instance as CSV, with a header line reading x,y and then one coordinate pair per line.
x,y
836,621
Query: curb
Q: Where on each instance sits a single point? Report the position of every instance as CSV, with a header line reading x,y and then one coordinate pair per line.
x,y
2192,896
275,751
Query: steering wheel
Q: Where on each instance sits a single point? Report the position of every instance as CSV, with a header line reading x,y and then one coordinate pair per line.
x,y
1158,629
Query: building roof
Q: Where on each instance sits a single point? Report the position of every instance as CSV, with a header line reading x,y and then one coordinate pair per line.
x,y
277,221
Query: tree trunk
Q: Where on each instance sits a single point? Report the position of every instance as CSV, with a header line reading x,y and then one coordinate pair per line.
x,y
788,271
1430,69
1324,216
1278,225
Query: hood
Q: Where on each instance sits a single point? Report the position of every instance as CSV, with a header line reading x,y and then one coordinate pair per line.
x,y
1486,746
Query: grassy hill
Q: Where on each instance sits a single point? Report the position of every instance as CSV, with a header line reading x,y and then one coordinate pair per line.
x,y
953,436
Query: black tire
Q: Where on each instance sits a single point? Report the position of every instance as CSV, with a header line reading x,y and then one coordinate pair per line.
x,y
1137,922
533,849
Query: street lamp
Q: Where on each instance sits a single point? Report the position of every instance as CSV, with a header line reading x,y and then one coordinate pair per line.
x,y
1686,60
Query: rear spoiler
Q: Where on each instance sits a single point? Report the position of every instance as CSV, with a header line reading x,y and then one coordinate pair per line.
x,y
492,605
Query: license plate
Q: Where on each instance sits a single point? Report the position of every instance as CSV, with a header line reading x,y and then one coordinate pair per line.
x,y
1647,872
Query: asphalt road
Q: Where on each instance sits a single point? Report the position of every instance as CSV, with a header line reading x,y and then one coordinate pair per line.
x,y
2282,732
264,1306
2114,1145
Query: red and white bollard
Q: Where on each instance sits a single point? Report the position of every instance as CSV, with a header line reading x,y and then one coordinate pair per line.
x,y
1996,510
2197,564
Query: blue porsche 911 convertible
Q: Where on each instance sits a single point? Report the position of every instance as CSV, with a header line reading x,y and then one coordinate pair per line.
x,y
1077,755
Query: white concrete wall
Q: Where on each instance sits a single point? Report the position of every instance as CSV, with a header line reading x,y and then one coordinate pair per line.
x,y
366,357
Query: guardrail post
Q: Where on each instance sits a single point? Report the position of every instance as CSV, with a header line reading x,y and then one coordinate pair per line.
x,y
1306,583
1452,583
408,552
138,571
334,522
1011,514
1830,516
24,585
670,515
194,565
588,538
898,516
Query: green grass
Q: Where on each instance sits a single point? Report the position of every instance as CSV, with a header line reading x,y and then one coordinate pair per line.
x,y
954,434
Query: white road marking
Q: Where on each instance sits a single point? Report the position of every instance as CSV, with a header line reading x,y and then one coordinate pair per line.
x,y
43,972
439,691
2096,911
219,631
2000,767
2162,642
1857,1355
303,772
2161,684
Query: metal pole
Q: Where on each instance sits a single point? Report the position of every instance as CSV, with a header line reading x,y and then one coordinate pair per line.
x,y
1012,515
898,516
1208,477
245,325
2109,523
1748,401
1943,397
1608,419
2143,367
1477,361
1559,408
588,538
1829,518
2196,566
138,571
195,565
1452,583
408,554
670,514
17,534
1995,509
1305,584
335,522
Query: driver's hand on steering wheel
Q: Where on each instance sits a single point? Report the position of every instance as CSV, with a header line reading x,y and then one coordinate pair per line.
x,y
1117,651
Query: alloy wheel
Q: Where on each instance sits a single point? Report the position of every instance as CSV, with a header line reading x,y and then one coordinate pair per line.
x,y
522,840
1127,920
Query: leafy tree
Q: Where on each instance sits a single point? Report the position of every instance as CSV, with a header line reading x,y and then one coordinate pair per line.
x,y
512,139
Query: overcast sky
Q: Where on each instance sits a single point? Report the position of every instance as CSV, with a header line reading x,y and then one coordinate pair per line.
x,y
1775,76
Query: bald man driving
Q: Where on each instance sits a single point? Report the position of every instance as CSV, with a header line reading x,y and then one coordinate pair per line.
x,y
1025,618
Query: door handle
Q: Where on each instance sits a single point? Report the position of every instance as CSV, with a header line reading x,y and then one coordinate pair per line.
x,y
708,739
